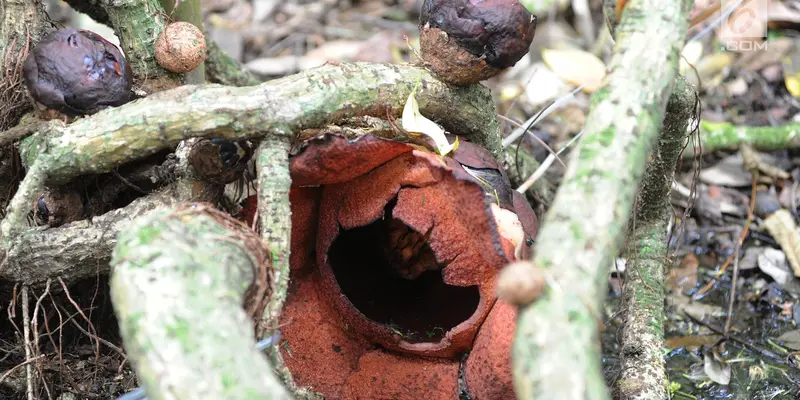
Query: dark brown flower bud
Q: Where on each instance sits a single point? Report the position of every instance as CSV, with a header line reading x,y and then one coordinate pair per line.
x,y
58,207
77,72
220,161
467,41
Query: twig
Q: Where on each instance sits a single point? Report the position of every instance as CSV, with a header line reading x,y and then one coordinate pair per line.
x,y
26,321
746,343
536,138
35,333
517,133
736,254
110,345
24,363
60,333
91,325
545,165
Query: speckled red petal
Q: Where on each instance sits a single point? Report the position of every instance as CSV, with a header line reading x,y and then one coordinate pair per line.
x,y
334,159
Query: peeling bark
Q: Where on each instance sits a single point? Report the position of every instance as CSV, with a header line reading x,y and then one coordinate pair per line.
x,y
556,350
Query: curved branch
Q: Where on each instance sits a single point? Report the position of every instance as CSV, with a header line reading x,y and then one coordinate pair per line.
x,y
280,107
726,136
331,93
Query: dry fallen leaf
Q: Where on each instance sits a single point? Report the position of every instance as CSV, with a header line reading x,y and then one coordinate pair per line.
x,y
791,339
683,277
727,172
783,229
576,66
716,368
773,263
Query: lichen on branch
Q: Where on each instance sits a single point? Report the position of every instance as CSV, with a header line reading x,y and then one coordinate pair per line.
x,y
726,136
281,107
181,278
588,220
642,369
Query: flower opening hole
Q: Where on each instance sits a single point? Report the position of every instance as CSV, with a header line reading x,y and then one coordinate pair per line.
x,y
389,273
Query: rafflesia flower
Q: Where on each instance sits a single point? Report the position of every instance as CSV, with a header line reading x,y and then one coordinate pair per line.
x,y
395,251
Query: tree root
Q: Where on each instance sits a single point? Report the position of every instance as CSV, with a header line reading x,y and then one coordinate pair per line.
x,y
80,249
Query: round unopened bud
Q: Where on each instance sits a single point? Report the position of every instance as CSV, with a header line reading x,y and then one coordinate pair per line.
x,y
180,47
58,207
520,283
467,41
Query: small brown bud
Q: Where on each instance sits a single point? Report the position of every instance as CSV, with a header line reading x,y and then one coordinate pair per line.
x,y
520,283
180,47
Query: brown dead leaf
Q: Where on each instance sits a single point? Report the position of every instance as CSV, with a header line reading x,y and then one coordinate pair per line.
x,y
683,278
691,342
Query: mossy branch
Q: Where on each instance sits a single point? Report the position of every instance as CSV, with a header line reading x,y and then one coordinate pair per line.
x,y
642,371
274,211
279,108
178,286
726,136
556,352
